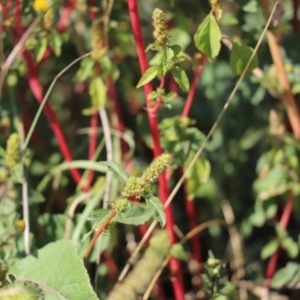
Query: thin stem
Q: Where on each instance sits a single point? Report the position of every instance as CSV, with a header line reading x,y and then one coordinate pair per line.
x,y
289,100
295,15
285,217
109,176
175,267
92,142
43,102
25,200
14,53
181,180
98,232
191,94
71,211
188,236
109,153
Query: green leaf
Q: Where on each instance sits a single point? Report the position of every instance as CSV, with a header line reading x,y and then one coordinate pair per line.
x,y
181,78
251,7
290,246
97,91
148,76
53,225
56,42
117,170
85,70
269,249
41,48
208,37
177,251
284,275
275,183
180,36
99,216
239,57
153,95
198,175
169,97
156,204
135,215
296,88
58,271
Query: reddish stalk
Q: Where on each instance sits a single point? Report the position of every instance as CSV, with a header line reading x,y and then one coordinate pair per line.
x,y
117,110
65,19
97,234
37,91
285,217
92,11
190,204
190,97
174,265
295,15
92,142
173,87
191,211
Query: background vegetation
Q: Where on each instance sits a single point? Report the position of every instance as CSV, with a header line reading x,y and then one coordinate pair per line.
x,y
75,91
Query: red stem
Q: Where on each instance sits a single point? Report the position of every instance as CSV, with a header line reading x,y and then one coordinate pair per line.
x,y
97,234
92,142
174,264
191,94
117,109
93,13
295,15
37,91
191,212
190,205
173,87
285,217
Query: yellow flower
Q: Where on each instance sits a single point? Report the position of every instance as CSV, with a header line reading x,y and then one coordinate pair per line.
x,y
40,5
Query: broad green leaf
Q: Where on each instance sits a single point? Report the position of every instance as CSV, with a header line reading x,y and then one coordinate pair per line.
x,y
295,279
156,204
290,246
296,88
153,95
180,36
99,216
275,183
251,138
239,57
85,70
135,215
41,48
251,6
148,76
198,175
167,99
177,251
97,91
208,37
269,249
53,226
58,271
282,232
284,275
56,42
117,170
181,78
